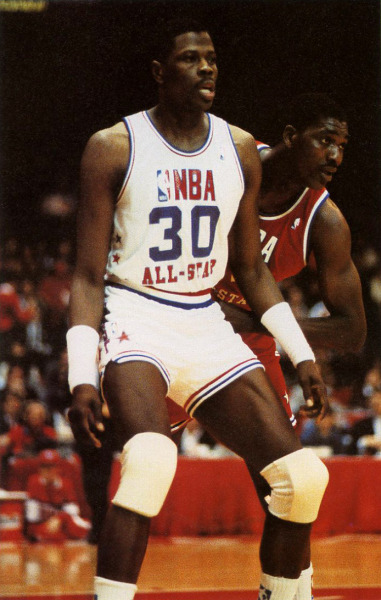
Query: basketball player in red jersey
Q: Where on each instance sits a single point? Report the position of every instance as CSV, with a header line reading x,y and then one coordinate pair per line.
x,y
300,225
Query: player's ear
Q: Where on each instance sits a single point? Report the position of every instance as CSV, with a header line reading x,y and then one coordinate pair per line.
x,y
289,134
157,71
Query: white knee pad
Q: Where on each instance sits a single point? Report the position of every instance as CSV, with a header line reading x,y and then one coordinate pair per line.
x,y
298,481
148,467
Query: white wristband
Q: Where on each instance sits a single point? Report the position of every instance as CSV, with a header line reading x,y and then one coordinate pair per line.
x,y
281,323
82,349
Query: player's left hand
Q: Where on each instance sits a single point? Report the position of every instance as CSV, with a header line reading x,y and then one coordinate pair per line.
x,y
314,390
242,321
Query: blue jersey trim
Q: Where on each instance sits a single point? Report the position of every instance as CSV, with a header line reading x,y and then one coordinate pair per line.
x,y
175,148
133,356
182,305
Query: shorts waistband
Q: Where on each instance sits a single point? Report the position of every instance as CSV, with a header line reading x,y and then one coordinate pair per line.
x,y
187,302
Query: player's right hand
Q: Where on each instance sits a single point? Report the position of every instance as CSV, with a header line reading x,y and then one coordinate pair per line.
x,y
85,415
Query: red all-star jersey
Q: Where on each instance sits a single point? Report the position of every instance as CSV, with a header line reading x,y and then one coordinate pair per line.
x,y
284,241
285,250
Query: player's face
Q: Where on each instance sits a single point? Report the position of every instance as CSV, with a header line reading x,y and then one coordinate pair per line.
x,y
319,151
190,72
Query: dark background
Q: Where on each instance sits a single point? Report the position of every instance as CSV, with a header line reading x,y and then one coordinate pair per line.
x,y
77,67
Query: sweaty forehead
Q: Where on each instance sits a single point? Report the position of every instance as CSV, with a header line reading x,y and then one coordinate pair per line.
x,y
332,126
192,40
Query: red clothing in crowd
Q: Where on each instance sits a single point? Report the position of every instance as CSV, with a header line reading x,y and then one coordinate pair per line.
x,y
54,289
52,510
11,310
23,441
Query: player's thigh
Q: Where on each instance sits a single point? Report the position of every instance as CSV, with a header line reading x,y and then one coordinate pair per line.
x,y
135,393
248,417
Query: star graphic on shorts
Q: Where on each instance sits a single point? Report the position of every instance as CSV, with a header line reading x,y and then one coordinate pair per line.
x,y
264,593
118,239
115,258
123,337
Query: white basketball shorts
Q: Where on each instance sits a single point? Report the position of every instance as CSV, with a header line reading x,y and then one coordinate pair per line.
x,y
195,349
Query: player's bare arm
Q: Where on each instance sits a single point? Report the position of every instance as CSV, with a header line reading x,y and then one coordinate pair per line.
x,y
245,257
252,275
102,169
339,285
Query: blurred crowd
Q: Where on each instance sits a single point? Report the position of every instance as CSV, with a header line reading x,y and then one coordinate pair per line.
x,y
35,284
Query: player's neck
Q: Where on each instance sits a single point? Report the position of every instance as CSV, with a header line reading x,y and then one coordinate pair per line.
x,y
187,130
274,202
279,189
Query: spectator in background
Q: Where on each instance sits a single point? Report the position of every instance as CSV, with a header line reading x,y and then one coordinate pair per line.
x,y
35,334
65,252
372,380
10,410
14,315
365,435
14,377
54,292
58,401
57,388
324,436
21,444
11,257
52,509
44,257
198,443
32,435
10,415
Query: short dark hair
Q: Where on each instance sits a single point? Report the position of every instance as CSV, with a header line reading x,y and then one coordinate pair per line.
x,y
307,109
167,31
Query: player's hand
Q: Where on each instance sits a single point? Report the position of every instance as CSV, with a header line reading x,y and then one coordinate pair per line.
x,y
85,415
243,321
314,390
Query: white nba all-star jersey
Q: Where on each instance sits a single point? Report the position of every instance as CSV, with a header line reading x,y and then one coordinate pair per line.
x,y
174,213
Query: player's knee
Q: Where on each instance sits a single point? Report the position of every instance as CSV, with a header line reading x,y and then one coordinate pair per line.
x,y
298,482
148,466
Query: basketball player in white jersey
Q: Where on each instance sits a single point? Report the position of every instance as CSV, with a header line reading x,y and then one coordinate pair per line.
x,y
165,195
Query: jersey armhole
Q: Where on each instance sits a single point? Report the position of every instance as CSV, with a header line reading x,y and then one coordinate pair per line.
x,y
130,159
237,157
307,234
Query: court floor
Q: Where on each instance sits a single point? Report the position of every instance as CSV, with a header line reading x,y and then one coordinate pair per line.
x,y
346,568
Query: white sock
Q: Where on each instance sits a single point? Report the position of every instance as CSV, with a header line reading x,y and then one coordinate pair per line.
x,y
106,589
277,588
305,585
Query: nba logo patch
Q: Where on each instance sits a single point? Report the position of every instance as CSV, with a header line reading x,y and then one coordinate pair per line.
x,y
296,223
264,593
163,187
